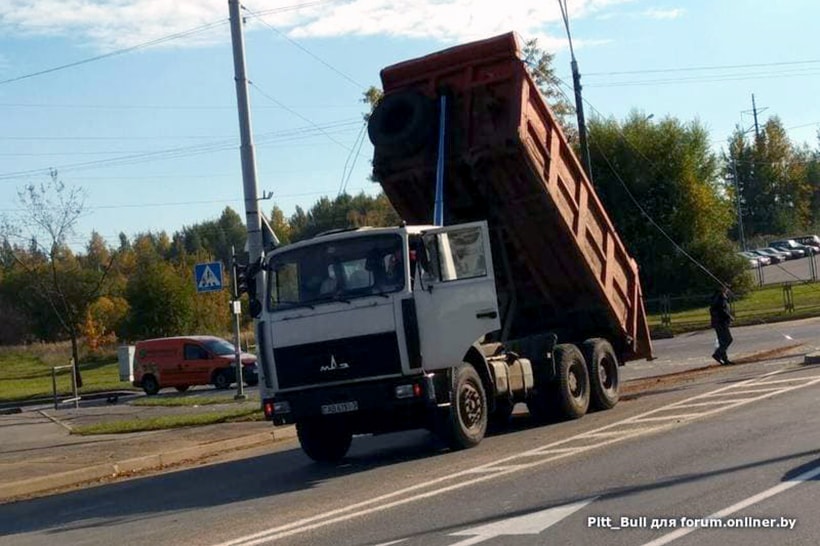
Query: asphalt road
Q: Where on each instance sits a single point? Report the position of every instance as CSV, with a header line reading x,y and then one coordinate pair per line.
x,y
704,446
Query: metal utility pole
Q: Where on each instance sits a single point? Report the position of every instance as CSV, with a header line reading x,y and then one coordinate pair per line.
x,y
579,102
252,217
739,213
236,310
754,111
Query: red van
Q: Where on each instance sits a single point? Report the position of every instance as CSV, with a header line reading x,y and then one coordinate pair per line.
x,y
181,362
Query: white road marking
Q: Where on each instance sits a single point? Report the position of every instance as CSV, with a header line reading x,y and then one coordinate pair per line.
x,y
502,467
797,480
528,524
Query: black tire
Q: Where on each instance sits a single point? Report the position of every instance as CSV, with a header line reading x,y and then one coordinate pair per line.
x,y
465,422
150,384
402,123
222,379
323,440
602,363
182,388
572,381
252,382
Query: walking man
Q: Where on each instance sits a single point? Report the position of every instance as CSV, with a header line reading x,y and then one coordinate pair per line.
x,y
721,319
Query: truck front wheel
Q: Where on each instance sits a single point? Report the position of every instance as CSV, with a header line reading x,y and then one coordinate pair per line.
x,y
322,440
466,421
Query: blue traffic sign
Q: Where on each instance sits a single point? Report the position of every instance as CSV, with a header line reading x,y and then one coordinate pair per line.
x,y
208,277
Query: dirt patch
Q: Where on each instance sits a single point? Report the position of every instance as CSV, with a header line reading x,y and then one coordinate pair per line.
x,y
637,388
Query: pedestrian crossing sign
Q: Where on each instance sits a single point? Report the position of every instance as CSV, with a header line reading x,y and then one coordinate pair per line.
x,y
208,277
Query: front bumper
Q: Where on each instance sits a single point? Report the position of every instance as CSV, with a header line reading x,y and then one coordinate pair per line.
x,y
378,407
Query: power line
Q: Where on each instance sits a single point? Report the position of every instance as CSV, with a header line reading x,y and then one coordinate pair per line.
x,y
200,202
150,43
705,79
305,50
698,68
297,114
187,151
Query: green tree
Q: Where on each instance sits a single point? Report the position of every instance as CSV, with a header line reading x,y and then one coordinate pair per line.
x,y
539,63
669,170
343,212
773,177
160,300
216,237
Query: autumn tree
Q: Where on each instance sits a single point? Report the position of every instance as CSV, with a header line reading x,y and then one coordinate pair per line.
x,y
48,217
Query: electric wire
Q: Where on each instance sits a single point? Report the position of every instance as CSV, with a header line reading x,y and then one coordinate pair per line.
x,y
143,45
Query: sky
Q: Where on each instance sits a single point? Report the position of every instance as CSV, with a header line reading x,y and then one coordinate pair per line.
x,y
144,118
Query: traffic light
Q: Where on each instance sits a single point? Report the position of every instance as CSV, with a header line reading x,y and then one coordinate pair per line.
x,y
241,279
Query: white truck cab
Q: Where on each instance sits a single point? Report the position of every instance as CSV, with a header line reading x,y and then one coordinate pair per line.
x,y
356,324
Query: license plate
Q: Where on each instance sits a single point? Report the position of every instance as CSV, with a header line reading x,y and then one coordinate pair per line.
x,y
341,407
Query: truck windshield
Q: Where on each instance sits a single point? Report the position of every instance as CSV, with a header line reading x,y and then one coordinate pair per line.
x,y
338,270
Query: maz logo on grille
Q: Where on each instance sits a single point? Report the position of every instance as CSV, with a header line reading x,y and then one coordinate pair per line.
x,y
334,365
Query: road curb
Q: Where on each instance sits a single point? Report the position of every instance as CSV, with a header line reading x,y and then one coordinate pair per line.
x,y
96,472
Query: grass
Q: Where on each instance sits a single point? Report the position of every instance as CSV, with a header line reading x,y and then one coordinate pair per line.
x,y
760,306
178,401
25,372
169,422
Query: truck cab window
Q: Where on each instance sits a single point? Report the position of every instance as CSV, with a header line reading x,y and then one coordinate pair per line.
x,y
337,270
457,254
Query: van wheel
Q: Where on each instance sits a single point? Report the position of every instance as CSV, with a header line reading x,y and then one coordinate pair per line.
x,y
182,388
150,384
465,423
323,440
222,380
603,373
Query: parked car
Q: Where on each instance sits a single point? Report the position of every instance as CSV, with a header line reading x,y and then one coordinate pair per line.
x,y
757,258
796,249
181,362
809,240
774,256
754,260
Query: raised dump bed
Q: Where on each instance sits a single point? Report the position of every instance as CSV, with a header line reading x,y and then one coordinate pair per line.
x,y
559,263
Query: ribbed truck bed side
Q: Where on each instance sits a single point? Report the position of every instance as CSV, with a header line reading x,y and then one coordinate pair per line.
x,y
508,162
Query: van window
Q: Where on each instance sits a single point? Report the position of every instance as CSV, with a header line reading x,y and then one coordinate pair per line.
x,y
195,352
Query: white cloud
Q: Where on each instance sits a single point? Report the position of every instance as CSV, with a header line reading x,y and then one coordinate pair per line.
x,y
656,13
110,24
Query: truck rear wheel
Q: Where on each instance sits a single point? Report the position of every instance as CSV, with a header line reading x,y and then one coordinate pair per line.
x,y
323,440
573,381
567,395
466,421
603,373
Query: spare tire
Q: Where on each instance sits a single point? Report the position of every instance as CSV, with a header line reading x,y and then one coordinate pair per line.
x,y
402,123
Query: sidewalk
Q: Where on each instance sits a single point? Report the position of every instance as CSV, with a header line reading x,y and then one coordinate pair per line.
x,y
38,453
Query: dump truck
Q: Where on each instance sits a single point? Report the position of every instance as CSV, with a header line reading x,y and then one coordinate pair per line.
x,y
506,282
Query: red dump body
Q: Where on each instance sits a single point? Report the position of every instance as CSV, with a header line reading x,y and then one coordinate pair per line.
x,y
559,263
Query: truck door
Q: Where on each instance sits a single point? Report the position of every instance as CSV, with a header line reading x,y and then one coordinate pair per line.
x,y
454,291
